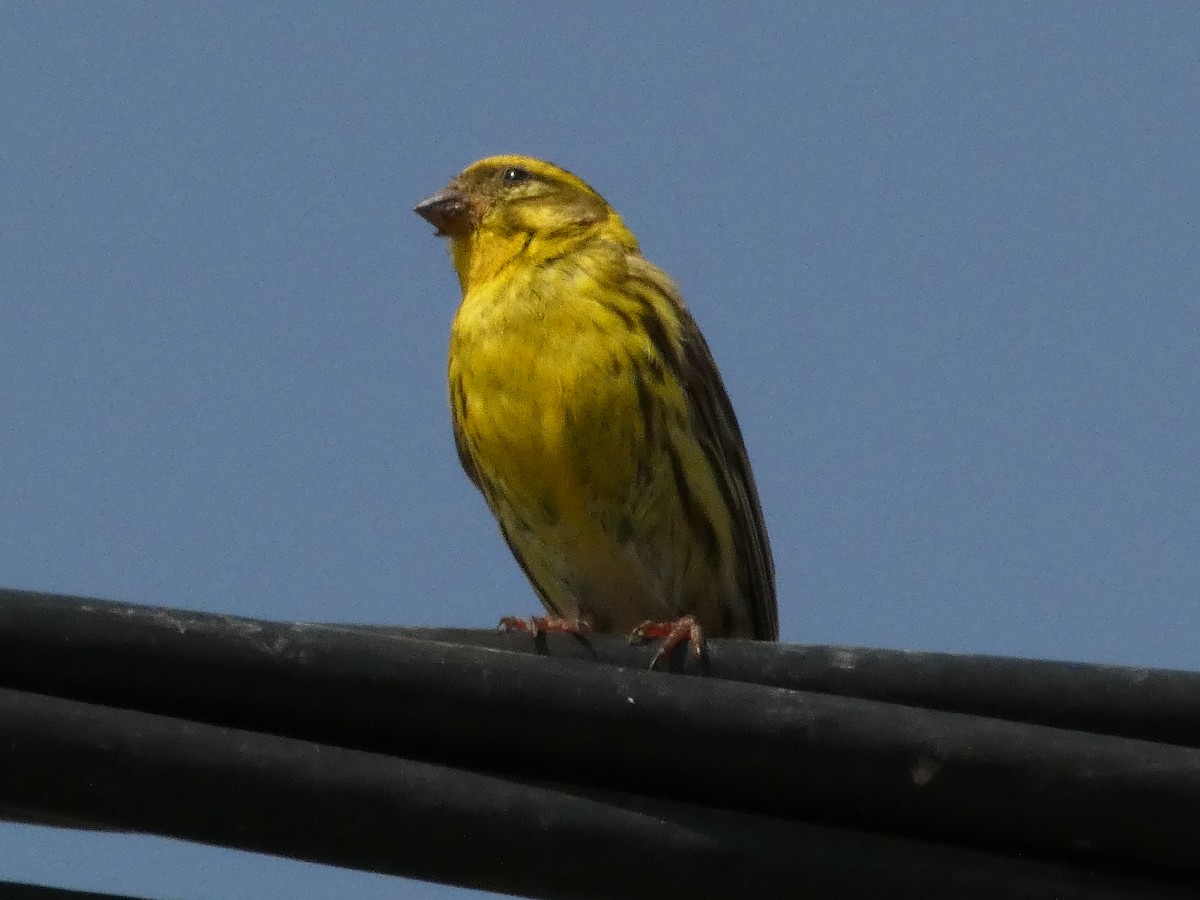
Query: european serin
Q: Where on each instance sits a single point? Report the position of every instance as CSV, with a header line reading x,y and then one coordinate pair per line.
x,y
589,412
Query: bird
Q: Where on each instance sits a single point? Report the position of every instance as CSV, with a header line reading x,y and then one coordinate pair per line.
x,y
588,411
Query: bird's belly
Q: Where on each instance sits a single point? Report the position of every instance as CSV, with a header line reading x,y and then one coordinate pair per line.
x,y
546,442
561,448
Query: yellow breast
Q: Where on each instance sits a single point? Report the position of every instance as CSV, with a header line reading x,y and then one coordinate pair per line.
x,y
549,407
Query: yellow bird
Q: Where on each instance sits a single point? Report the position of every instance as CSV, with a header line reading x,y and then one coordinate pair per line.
x,y
589,412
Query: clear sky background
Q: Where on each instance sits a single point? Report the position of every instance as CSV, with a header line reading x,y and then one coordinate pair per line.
x,y
947,258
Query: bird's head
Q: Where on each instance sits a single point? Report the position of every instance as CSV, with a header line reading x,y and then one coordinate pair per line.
x,y
504,205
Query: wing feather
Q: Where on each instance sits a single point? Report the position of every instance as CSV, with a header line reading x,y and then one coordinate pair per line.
x,y
720,437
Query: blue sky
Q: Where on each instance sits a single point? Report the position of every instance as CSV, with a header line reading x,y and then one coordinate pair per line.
x,y
947,258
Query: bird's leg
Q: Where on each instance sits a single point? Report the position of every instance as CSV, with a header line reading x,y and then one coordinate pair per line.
x,y
685,628
536,625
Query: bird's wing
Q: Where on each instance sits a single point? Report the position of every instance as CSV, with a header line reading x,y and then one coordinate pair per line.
x,y
720,438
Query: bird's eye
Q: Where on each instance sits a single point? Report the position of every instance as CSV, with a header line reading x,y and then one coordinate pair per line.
x,y
515,176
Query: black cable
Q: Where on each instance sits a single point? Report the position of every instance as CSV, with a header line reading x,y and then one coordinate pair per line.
x,y
837,761
1151,704
143,772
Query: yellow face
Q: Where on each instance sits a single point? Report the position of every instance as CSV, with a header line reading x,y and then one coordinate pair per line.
x,y
505,195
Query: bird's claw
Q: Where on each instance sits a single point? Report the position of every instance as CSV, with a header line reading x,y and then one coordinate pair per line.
x,y
685,628
538,625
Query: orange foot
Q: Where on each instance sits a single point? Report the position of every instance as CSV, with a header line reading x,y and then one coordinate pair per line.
x,y
536,625
685,628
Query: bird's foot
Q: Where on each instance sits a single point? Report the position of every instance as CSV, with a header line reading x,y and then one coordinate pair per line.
x,y
536,625
685,628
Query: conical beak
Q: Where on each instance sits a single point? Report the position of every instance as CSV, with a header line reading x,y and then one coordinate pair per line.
x,y
448,211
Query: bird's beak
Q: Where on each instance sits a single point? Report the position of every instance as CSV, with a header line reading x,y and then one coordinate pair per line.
x,y
449,211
